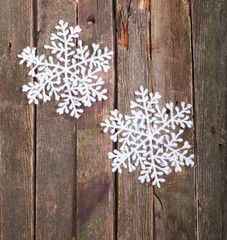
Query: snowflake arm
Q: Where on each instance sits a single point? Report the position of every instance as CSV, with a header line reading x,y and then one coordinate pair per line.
x,y
44,88
171,120
149,138
119,125
97,60
70,76
38,63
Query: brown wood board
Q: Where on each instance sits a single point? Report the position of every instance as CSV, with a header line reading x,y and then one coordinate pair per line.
x,y
210,51
16,124
135,200
95,181
174,202
56,144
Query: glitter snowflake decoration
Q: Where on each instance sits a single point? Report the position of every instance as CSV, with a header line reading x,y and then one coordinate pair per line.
x,y
149,137
71,77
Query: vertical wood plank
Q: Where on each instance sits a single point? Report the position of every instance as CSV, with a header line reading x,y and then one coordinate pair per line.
x,y
95,185
56,143
16,116
174,202
210,51
135,200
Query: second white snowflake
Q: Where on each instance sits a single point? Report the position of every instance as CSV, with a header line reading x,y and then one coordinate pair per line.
x,y
149,138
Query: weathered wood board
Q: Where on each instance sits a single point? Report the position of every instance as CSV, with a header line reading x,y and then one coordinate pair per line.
x,y
210,59
56,144
16,124
135,201
174,202
95,181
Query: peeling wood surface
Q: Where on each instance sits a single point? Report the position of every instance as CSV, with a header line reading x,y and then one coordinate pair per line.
x,y
135,200
210,51
55,179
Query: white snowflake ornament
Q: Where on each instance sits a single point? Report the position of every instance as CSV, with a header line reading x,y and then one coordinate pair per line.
x,y
148,138
70,76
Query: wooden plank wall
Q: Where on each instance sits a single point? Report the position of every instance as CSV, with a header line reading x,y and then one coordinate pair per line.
x,y
55,179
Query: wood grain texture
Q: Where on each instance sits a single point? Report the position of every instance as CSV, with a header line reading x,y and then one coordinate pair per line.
x,y
56,144
174,202
95,185
16,120
210,51
135,200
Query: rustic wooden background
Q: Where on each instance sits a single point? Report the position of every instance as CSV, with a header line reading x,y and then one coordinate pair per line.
x,y
56,181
